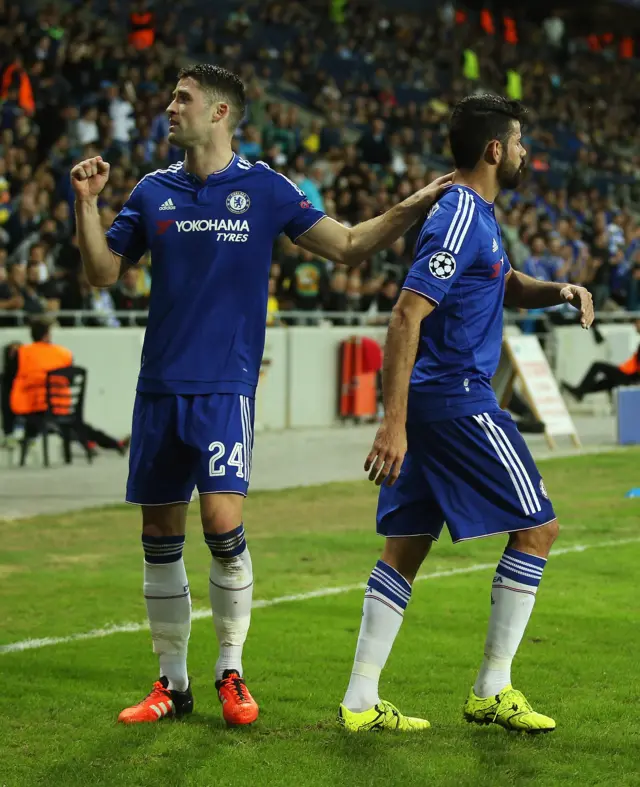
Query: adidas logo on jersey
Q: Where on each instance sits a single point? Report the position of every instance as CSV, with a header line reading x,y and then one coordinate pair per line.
x,y
168,205
495,245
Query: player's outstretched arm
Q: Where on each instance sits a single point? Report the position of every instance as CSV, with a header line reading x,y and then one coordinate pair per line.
x,y
524,292
353,245
102,266
390,446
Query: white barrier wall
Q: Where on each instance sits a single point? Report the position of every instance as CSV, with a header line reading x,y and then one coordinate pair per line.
x,y
299,382
314,371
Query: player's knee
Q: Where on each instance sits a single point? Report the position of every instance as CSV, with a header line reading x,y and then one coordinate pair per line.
x,y
553,531
162,521
537,541
406,555
220,514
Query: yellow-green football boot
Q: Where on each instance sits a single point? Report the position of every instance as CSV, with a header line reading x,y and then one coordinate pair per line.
x,y
509,709
383,716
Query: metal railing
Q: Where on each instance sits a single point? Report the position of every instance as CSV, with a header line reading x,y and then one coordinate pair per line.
x,y
84,318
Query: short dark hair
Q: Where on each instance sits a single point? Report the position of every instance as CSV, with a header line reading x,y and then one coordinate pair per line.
x,y
476,121
220,83
40,327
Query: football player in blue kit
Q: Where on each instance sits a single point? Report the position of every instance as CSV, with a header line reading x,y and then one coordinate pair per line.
x,y
445,451
210,223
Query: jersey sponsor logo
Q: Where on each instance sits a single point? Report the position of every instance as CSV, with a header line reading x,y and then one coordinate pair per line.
x,y
213,225
163,226
442,265
231,230
238,202
168,205
494,247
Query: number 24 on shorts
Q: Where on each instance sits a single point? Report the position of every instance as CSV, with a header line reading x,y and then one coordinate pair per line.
x,y
217,465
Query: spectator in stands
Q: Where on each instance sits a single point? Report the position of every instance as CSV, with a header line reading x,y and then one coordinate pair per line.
x,y
17,294
374,145
388,295
307,281
536,265
273,306
126,295
40,287
250,146
376,134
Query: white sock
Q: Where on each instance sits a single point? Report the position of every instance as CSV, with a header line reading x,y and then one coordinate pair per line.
x,y
231,594
385,600
166,593
513,594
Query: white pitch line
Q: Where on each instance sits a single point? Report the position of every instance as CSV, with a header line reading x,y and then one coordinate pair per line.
x,y
198,614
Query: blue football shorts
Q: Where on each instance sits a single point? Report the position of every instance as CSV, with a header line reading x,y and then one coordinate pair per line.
x,y
475,473
181,441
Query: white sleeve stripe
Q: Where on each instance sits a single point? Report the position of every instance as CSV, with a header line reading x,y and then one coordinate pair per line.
x,y
461,222
455,218
466,227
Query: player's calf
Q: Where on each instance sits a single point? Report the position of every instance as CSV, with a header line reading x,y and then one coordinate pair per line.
x,y
166,592
231,593
386,597
406,554
513,594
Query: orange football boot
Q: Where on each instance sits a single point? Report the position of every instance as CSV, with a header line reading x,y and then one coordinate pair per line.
x,y
160,703
238,706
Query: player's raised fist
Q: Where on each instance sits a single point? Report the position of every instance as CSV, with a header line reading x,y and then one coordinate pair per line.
x,y
89,177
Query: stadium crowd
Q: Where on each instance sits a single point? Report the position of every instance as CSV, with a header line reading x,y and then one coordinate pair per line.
x,y
353,113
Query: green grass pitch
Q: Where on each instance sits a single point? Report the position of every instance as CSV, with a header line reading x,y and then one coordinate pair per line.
x,y
579,662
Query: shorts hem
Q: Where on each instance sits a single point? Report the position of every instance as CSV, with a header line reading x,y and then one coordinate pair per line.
x,y
409,535
504,532
223,492
168,503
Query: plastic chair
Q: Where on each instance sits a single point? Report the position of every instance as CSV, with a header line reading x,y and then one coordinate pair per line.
x,y
64,392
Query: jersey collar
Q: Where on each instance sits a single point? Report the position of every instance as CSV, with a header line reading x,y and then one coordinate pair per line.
x,y
196,181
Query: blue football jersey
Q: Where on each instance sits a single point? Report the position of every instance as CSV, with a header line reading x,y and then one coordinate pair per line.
x,y
211,243
460,265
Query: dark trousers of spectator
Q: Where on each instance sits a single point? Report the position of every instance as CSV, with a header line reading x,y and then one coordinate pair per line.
x,y
8,418
602,377
84,432
10,363
89,434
